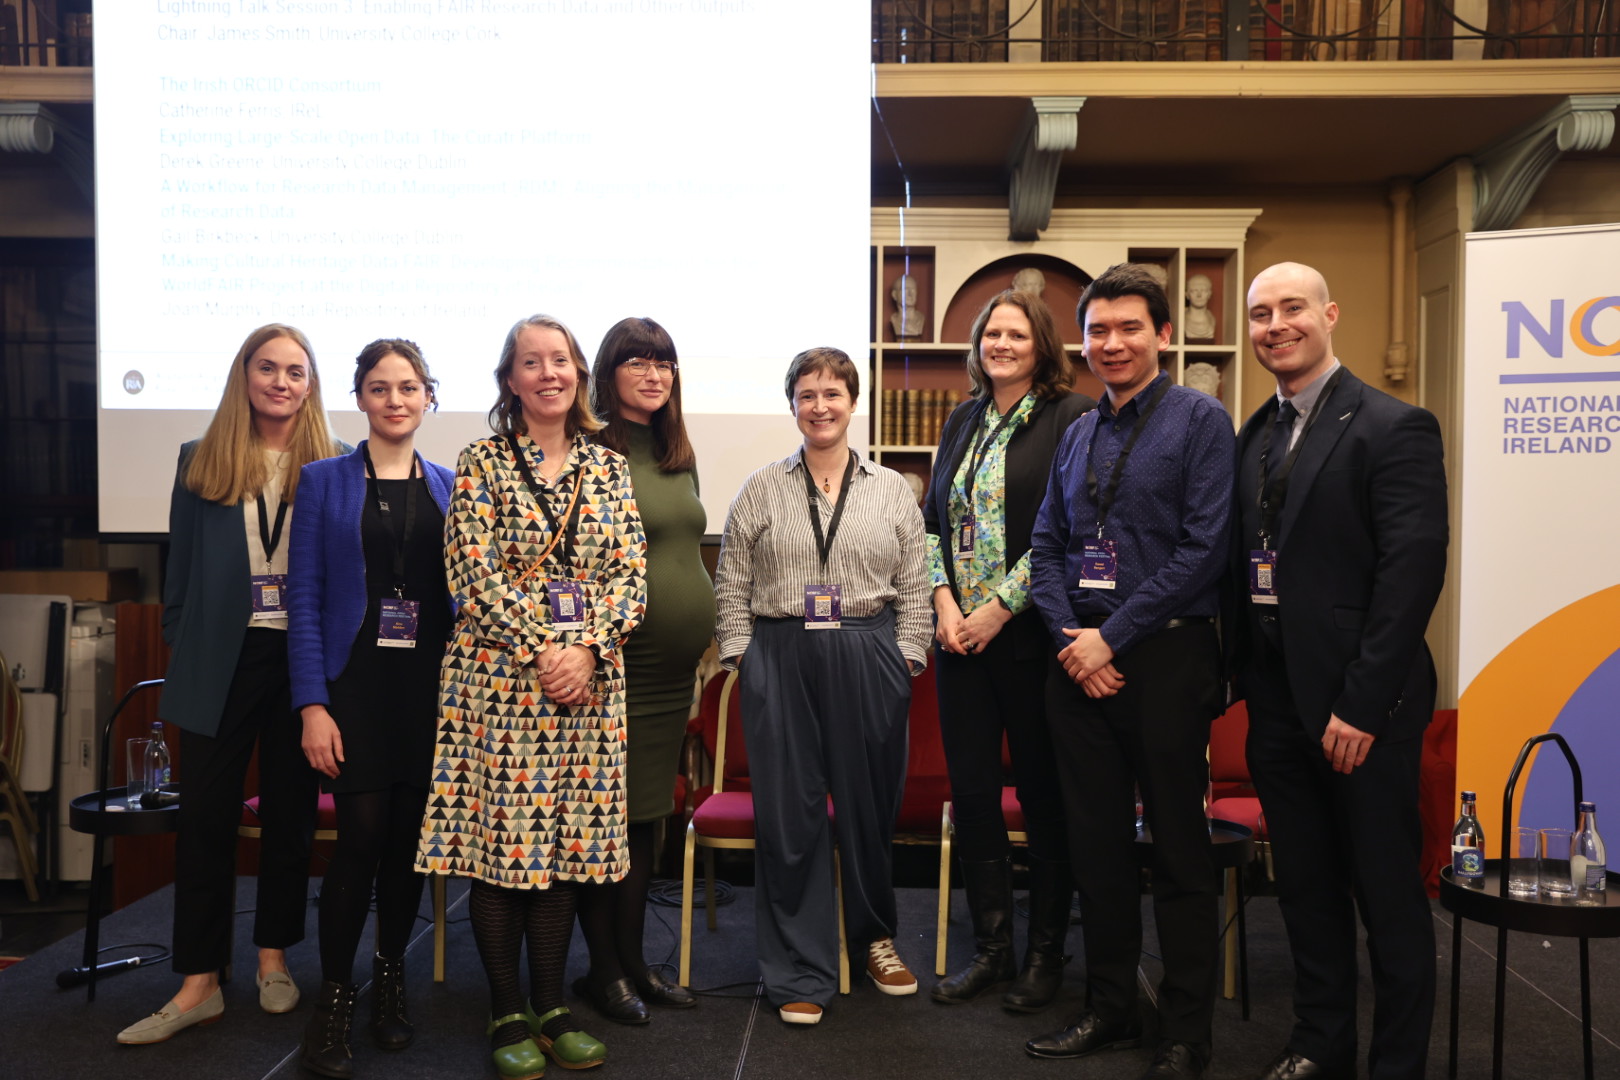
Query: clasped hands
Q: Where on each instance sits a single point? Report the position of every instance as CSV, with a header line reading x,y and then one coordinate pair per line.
x,y
565,673
966,635
1088,660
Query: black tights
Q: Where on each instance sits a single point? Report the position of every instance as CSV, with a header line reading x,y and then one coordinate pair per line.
x,y
377,836
614,916
502,919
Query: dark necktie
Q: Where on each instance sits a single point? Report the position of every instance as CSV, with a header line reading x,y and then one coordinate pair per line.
x,y
1281,431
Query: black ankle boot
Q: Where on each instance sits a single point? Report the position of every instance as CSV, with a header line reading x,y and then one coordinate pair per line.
x,y
390,1024
326,1039
989,895
1050,889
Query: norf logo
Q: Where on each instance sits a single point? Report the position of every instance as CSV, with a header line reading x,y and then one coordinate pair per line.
x,y
1582,327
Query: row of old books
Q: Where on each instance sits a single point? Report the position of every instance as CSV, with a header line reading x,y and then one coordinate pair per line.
x,y
915,417
920,31
37,35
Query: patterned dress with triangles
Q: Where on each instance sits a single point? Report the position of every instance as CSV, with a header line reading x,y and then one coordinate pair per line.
x,y
525,791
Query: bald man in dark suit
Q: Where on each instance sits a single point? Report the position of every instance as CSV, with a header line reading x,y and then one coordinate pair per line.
x,y
1341,553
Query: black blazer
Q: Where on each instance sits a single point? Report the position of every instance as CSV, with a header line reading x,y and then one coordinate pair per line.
x,y
1361,557
1029,462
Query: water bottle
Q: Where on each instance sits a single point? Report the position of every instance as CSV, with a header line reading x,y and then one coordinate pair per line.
x,y
1588,862
157,759
1468,847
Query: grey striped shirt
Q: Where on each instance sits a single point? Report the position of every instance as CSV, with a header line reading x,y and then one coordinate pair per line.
x,y
769,555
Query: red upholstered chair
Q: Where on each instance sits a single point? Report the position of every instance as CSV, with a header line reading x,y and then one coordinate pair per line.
x,y
928,778
725,819
1232,798
1231,790
1437,793
326,829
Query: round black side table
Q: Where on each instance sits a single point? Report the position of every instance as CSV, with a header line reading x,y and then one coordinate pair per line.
x,y
102,814
1593,916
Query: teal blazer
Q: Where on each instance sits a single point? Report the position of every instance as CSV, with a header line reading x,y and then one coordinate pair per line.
x,y
206,605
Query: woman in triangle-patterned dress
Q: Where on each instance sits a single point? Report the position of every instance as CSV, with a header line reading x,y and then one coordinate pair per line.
x,y
547,563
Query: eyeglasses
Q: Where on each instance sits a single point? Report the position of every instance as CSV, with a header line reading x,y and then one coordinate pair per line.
x,y
639,367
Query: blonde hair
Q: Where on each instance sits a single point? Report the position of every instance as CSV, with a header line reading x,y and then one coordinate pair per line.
x,y
228,465
506,416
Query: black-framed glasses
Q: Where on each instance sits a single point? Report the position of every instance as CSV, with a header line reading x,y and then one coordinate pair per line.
x,y
639,367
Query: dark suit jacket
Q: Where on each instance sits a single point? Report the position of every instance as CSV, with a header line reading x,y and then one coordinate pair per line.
x,y
206,605
1361,556
1029,462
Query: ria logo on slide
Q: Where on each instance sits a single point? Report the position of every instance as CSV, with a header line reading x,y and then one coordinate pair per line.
x,y
1583,330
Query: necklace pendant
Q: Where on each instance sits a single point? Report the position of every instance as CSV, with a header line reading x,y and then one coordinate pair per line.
x,y
382,505
826,484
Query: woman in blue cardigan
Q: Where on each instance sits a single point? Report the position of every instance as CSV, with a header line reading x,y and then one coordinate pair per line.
x,y
226,688
371,613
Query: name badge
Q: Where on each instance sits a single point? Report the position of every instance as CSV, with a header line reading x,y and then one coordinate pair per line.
x,y
396,626
823,606
1099,564
964,537
567,605
269,596
1262,576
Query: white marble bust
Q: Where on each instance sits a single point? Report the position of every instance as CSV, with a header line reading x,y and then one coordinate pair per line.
x,y
1204,377
1029,280
1199,324
907,319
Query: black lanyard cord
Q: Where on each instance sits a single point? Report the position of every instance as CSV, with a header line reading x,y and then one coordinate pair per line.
x,y
824,544
565,537
1106,503
270,540
983,449
402,540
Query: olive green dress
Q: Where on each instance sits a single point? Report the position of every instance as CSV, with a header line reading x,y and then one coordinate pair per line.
x,y
660,657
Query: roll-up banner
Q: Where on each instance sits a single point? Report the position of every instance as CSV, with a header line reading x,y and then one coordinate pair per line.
x,y
1540,545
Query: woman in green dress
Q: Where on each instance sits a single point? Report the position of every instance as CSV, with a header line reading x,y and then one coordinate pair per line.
x,y
636,391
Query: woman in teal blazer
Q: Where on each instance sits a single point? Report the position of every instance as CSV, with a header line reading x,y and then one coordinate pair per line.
x,y
226,689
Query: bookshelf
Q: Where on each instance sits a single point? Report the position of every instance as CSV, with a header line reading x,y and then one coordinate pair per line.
x,y
957,259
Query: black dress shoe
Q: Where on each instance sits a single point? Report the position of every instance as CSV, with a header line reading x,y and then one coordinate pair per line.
x,y
618,1000
658,989
1087,1035
1292,1066
1178,1060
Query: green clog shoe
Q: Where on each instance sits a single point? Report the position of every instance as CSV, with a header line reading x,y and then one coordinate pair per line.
x,y
520,1061
572,1049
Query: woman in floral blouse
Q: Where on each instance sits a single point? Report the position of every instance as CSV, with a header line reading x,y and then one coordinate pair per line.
x,y
990,661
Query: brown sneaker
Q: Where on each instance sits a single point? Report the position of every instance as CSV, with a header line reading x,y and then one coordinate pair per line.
x,y
888,971
800,1012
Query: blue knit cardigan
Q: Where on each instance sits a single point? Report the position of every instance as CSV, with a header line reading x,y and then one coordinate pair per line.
x,y
326,569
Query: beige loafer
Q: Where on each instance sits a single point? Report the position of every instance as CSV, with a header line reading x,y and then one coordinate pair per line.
x,y
277,992
163,1024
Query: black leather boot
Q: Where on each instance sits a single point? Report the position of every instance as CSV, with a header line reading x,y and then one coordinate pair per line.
x,y
1050,889
390,1024
326,1039
989,895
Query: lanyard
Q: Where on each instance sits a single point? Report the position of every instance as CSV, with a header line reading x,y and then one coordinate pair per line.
x,y
983,449
558,533
1106,503
404,538
270,540
1272,492
824,546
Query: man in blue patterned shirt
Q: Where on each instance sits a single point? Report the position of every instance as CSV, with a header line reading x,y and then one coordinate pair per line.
x,y
1127,552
